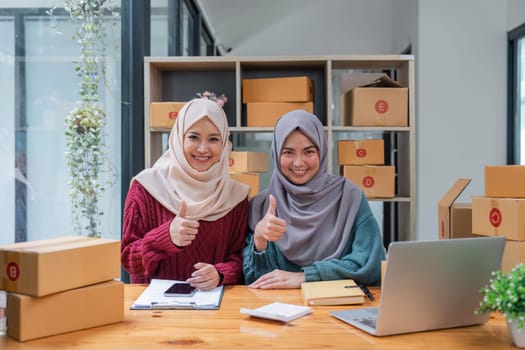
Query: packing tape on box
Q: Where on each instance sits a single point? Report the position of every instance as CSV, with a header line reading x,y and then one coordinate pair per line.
x,y
495,216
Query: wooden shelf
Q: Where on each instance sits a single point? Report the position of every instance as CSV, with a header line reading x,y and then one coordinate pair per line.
x,y
181,78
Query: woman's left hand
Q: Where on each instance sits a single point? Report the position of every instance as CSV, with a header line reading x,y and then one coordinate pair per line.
x,y
279,279
205,277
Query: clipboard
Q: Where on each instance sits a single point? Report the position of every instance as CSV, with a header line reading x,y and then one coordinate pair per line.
x,y
152,298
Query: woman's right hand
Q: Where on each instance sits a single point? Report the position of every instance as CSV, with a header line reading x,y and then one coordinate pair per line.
x,y
183,231
269,228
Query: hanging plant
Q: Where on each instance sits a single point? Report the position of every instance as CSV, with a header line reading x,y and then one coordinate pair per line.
x,y
85,147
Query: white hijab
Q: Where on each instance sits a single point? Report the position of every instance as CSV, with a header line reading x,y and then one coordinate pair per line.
x,y
210,194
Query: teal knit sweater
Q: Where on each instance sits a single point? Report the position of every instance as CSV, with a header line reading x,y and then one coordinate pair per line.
x,y
360,260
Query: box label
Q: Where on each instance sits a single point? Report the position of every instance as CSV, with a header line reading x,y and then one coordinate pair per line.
x,y
495,217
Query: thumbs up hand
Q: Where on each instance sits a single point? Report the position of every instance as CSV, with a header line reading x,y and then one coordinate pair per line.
x,y
183,231
269,228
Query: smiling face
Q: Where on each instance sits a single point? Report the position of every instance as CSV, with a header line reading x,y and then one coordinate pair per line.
x,y
202,145
299,158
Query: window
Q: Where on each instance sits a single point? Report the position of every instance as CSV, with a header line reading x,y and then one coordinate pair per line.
x,y
516,100
39,89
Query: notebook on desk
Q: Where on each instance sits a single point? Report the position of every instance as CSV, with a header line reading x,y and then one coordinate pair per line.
x,y
430,285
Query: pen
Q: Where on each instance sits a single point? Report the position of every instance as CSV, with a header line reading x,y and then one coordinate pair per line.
x,y
366,291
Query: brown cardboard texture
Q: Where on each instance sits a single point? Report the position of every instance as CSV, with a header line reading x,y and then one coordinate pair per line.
x,y
263,114
248,162
75,309
48,266
250,179
499,217
376,181
453,219
505,181
383,102
162,115
360,152
283,89
513,254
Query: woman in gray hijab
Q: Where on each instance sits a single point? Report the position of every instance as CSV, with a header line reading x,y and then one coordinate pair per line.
x,y
309,225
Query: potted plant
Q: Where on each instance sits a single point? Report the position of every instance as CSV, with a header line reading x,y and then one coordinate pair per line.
x,y
86,152
506,293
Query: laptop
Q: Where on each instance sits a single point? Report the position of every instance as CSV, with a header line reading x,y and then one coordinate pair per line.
x,y
430,285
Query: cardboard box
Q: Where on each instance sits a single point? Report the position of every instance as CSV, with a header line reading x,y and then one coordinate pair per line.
x,y
250,179
162,115
75,309
377,106
505,181
455,219
248,162
285,89
48,266
376,181
513,254
266,113
499,217
357,152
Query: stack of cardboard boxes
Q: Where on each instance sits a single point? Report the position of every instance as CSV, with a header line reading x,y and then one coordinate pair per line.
x,y
61,285
246,168
362,161
371,101
267,99
501,212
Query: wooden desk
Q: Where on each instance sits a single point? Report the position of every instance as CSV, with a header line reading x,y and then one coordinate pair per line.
x,y
228,329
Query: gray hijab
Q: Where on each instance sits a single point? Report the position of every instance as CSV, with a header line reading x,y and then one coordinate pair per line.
x,y
319,214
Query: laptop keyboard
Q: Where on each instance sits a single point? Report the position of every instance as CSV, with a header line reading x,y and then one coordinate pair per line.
x,y
370,322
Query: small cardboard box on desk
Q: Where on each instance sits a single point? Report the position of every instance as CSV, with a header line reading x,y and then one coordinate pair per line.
x,y
61,285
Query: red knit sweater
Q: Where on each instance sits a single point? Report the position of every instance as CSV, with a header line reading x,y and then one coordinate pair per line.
x,y
147,251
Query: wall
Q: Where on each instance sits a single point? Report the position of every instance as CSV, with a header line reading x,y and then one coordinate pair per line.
x,y
516,13
314,27
460,49
461,113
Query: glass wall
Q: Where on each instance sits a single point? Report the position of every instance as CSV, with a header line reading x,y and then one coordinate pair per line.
x,y
9,176
39,88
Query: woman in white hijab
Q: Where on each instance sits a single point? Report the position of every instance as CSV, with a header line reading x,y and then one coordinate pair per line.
x,y
309,225
184,218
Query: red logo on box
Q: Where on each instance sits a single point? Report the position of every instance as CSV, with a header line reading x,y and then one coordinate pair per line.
x,y
495,217
13,271
232,162
173,115
368,181
381,106
360,153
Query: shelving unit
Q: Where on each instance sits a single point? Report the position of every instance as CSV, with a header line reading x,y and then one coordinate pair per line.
x,y
181,78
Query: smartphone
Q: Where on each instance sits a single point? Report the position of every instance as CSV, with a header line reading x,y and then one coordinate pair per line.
x,y
179,289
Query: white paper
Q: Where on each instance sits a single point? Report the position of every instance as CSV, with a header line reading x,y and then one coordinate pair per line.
x,y
153,297
279,311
